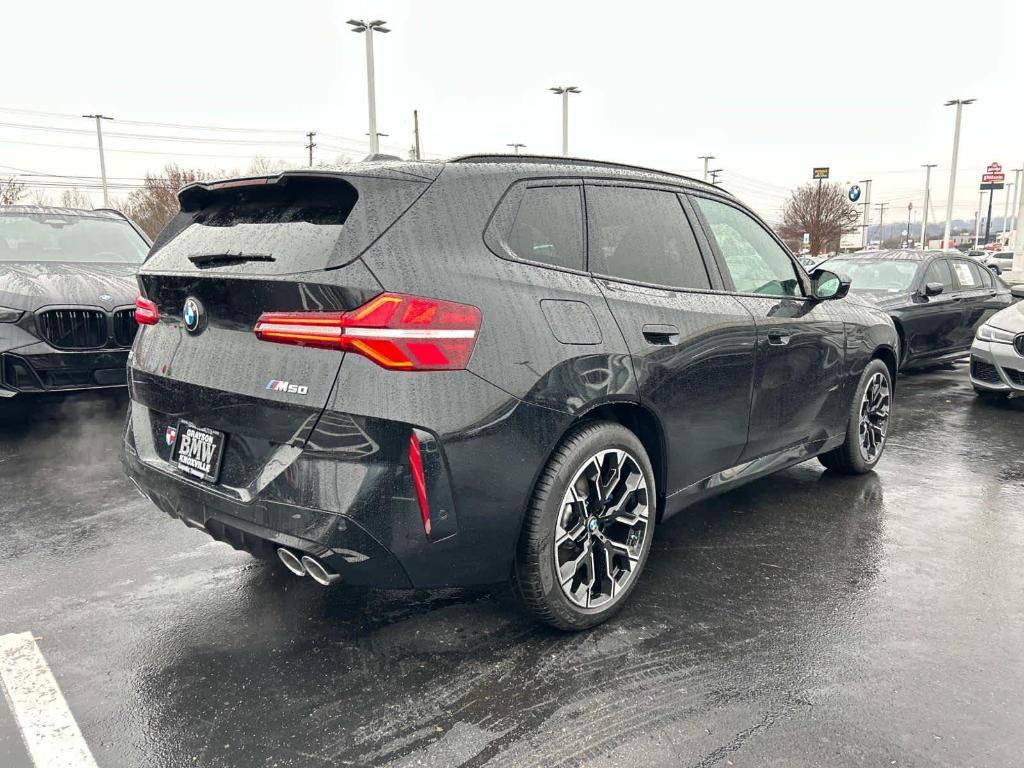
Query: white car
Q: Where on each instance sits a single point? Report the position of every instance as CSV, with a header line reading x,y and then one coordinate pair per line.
x,y
997,355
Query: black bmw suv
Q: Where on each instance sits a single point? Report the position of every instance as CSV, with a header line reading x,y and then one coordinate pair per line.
x,y
486,369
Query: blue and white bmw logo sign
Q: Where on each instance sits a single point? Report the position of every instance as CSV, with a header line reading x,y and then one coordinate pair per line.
x,y
592,524
192,314
854,193
105,297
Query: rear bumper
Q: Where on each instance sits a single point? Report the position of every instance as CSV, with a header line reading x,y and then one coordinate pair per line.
x,y
40,368
346,494
996,367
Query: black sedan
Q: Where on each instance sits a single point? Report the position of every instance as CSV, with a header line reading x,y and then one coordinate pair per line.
x,y
67,298
937,299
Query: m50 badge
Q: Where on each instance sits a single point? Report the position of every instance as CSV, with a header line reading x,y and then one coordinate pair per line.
x,y
277,385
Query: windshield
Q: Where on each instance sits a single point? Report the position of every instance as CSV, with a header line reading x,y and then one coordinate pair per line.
x,y
62,237
874,275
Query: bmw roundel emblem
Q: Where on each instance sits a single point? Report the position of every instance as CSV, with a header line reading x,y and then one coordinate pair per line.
x,y
192,314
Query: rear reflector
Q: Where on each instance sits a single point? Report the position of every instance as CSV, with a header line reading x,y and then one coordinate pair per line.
x,y
395,331
418,481
146,312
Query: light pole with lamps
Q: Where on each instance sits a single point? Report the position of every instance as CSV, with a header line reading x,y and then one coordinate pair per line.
x,y
959,103
927,201
360,26
564,91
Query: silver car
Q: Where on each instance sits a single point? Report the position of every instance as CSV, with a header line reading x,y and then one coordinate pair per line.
x,y
997,355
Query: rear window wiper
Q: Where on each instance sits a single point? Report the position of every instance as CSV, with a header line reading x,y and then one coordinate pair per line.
x,y
217,259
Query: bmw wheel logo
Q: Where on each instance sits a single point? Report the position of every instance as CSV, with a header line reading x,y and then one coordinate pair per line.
x,y
192,315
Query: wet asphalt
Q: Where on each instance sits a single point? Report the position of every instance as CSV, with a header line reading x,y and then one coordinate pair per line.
x,y
806,619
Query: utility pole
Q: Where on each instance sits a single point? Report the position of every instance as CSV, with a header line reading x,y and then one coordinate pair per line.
x,y
416,131
881,218
867,213
927,201
564,91
1006,211
1014,219
910,210
714,176
360,26
310,146
516,146
952,168
103,161
977,219
705,158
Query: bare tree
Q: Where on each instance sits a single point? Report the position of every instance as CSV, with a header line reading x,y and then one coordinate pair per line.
x,y
11,191
822,211
263,166
41,197
156,203
75,198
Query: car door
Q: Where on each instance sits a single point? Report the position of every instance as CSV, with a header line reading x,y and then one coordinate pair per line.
x,y
932,325
980,301
799,393
692,346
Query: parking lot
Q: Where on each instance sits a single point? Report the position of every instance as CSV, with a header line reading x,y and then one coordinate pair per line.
x,y
806,619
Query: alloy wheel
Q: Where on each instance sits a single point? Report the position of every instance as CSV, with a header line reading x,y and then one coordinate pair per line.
x,y
874,416
603,525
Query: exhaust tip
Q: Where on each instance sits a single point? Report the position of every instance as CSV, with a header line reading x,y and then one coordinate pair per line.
x,y
318,571
291,561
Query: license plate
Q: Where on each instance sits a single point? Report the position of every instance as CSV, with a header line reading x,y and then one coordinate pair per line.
x,y
198,451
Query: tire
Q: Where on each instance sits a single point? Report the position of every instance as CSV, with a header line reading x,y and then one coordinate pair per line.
x,y
853,457
596,545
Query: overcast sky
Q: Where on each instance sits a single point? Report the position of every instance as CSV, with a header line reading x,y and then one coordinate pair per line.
x,y
771,89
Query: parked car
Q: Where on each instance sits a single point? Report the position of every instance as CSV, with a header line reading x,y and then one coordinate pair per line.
x,y
1003,261
67,298
456,373
997,355
988,259
936,299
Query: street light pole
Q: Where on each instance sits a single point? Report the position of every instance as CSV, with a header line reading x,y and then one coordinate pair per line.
x,y
910,210
368,28
977,220
103,161
1014,219
924,211
714,176
1006,211
516,146
952,168
867,212
705,158
564,91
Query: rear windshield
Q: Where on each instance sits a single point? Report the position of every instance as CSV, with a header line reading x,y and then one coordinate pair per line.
x,y
871,275
297,223
63,237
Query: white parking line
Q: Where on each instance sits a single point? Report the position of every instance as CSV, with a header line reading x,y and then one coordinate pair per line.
x,y
47,727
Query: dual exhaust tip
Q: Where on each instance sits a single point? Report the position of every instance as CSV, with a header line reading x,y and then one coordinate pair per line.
x,y
307,565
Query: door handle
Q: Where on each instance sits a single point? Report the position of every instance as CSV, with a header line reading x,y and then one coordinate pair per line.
x,y
661,334
778,338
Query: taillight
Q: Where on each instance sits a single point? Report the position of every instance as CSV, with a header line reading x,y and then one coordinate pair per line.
x,y
396,331
146,312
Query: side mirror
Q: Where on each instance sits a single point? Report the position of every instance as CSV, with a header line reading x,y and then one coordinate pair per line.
x,y
1017,291
932,289
829,285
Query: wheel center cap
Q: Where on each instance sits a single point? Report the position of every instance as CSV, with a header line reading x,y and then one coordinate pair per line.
x,y
592,524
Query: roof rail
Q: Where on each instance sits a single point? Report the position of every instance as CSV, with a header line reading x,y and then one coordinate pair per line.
x,y
559,160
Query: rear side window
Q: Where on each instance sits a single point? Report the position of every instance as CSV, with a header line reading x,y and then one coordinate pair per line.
x,y
965,275
643,235
548,227
938,272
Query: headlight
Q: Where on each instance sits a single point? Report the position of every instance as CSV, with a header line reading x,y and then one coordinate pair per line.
x,y
989,333
9,315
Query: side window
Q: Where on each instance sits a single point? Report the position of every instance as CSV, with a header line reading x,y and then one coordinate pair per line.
x,y
643,235
968,280
755,261
549,227
982,275
938,272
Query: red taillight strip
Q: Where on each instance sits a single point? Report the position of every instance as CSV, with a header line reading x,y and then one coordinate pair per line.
x,y
395,331
146,311
418,481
